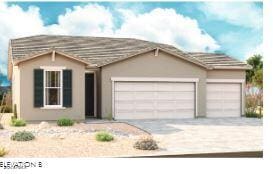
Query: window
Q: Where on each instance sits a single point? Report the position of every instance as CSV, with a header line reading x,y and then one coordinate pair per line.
x,y
53,88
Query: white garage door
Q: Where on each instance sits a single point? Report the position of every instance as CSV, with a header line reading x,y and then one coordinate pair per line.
x,y
152,100
223,100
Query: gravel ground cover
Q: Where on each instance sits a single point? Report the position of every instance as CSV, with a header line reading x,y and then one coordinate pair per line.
x,y
76,141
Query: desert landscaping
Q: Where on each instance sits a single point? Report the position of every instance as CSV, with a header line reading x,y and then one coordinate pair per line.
x,y
78,140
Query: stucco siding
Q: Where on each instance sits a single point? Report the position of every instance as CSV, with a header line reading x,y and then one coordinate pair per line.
x,y
15,83
226,74
149,65
27,109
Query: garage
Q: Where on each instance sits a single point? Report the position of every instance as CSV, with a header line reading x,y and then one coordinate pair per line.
x,y
223,100
153,100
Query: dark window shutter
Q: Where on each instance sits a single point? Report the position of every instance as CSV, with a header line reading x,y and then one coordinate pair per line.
x,y
38,88
67,88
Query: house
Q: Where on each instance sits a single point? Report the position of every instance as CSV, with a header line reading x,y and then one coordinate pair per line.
x,y
83,77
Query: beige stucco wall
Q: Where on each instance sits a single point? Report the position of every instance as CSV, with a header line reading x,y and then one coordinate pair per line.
x,y
27,110
148,65
15,83
226,74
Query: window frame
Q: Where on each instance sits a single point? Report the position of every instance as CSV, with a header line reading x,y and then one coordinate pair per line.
x,y
48,69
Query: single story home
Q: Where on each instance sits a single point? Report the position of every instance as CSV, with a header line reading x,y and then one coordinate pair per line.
x,y
97,77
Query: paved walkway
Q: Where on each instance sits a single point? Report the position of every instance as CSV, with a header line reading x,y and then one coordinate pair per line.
x,y
205,135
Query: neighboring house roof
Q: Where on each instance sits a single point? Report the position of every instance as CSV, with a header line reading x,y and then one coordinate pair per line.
x,y
101,51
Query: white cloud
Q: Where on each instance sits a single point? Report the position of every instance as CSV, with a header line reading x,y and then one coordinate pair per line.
x,y
256,50
245,14
15,22
160,25
241,48
166,26
91,19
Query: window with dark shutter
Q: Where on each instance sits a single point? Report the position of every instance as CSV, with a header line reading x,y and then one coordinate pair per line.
x,y
38,88
67,88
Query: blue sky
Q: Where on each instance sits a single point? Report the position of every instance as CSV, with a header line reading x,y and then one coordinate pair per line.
x,y
234,28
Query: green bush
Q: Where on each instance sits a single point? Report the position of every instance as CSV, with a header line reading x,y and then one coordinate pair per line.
x,y
253,115
3,151
146,143
22,136
65,122
104,136
17,122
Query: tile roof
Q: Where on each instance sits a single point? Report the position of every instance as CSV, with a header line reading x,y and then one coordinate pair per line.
x,y
101,51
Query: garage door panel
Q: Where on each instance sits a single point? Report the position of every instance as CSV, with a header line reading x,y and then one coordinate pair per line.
x,y
141,114
165,104
223,100
142,105
165,95
183,87
123,87
214,96
143,95
143,86
164,87
231,96
124,96
166,115
124,105
184,105
184,95
187,113
154,100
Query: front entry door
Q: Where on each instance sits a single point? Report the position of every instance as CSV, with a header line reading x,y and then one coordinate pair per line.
x,y
89,95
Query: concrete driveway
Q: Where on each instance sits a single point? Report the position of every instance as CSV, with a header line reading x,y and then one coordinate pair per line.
x,y
204,135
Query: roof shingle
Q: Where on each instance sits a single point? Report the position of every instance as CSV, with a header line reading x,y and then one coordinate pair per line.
x,y
101,51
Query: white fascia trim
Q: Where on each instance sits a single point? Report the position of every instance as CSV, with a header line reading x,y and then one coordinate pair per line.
x,y
53,68
154,79
226,80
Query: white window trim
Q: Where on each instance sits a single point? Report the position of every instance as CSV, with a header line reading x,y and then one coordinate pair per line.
x,y
53,68
154,79
238,81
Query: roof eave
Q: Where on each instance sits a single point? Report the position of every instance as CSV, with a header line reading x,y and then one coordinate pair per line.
x,y
247,67
35,55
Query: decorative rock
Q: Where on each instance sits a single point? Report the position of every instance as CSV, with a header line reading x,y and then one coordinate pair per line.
x,y
43,125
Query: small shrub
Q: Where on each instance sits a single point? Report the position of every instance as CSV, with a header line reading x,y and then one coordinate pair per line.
x,y
15,111
65,122
253,115
104,136
146,143
22,136
18,122
3,151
